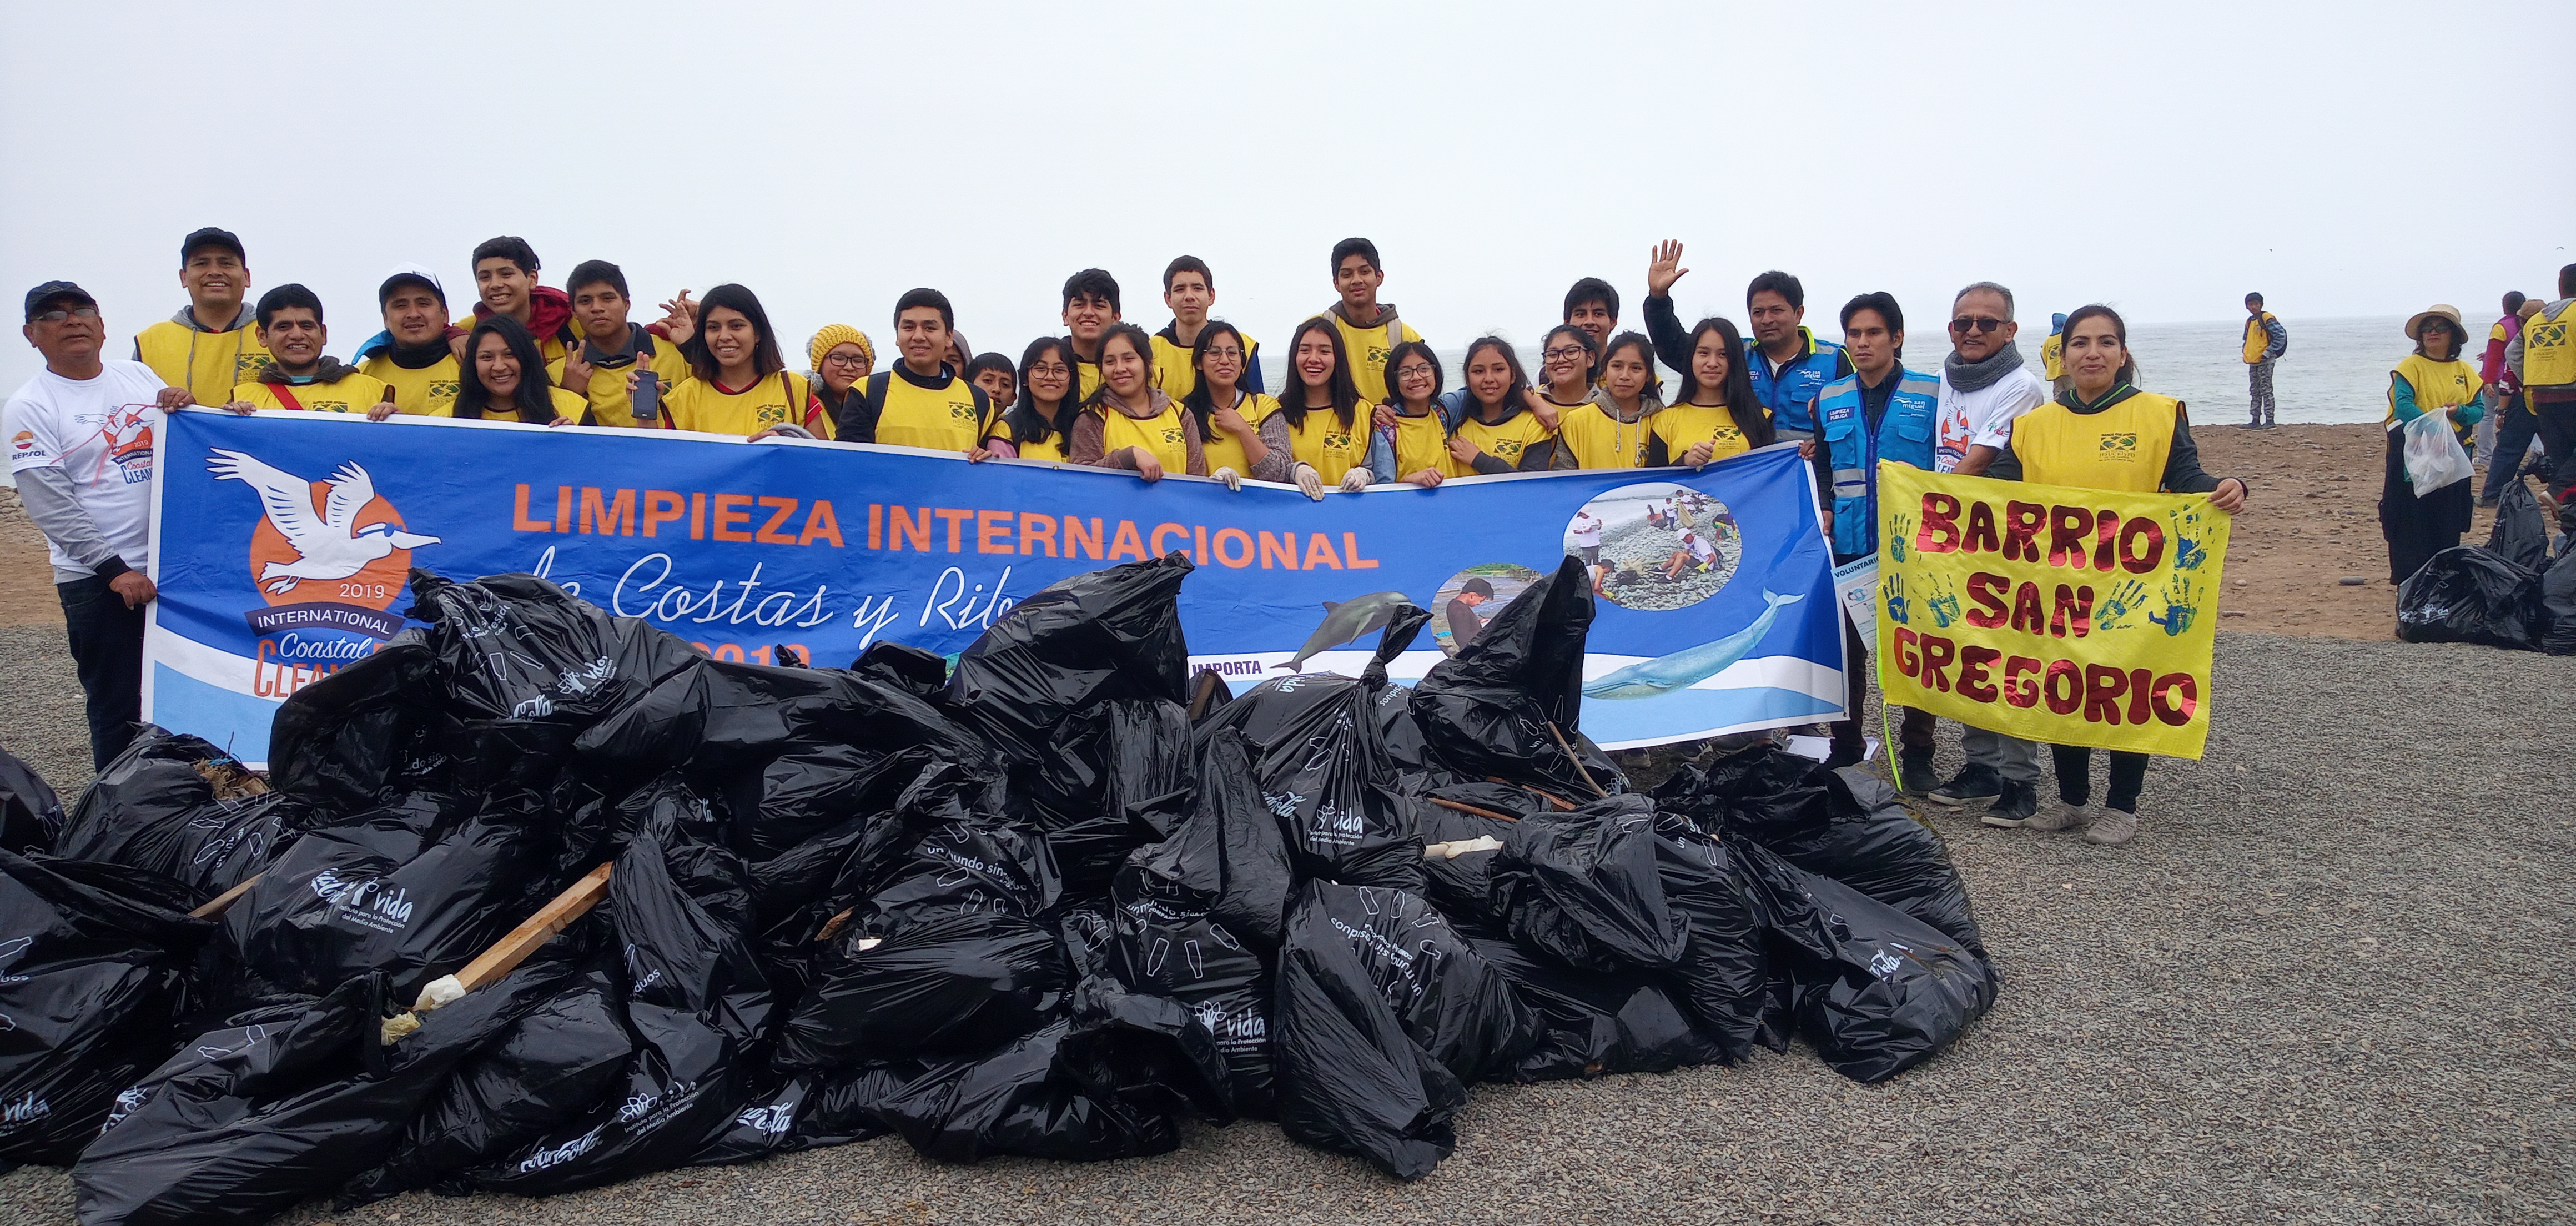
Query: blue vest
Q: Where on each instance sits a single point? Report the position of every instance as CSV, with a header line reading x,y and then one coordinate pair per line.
x,y
1904,435
1799,383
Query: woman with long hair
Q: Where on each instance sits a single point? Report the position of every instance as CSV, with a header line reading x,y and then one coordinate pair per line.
x,y
1234,424
1129,423
505,378
1420,436
1039,425
1500,433
2433,379
2060,443
1321,408
1716,415
739,382
1610,429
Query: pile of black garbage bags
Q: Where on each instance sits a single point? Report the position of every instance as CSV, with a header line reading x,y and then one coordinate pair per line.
x,y
1052,898
2508,593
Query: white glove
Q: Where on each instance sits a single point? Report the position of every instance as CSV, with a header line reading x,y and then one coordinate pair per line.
x,y
1356,480
1233,480
1310,482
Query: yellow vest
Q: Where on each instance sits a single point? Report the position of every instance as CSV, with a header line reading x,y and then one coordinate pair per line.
x,y
940,418
566,404
1600,440
1368,349
2548,357
1174,374
208,364
1049,448
780,399
1162,434
1684,426
2439,385
2052,356
1506,441
1420,443
1323,443
610,403
352,394
1223,450
2256,338
2123,447
1086,377
427,392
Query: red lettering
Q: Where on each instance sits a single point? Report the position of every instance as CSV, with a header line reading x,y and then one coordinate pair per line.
x,y
519,521
2138,684
2184,695
1937,654
1939,531
2106,528
1981,528
1903,643
1973,662
2062,699
733,517
2103,686
2141,529
2019,689
2029,615
2072,610
2021,530
2067,528
1987,590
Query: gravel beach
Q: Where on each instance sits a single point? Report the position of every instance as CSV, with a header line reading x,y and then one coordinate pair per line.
x,y
2320,987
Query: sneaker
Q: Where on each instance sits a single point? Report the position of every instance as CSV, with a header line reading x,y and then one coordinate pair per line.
x,y
2112,828
1973,782
2058,815
1914,772
2019,802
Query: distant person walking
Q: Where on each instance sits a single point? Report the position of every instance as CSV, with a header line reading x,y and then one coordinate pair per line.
x,y
2510,424
2265,341
2419,524
2543,363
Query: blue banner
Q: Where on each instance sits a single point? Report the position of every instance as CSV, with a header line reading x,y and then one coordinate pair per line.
x,y
283,543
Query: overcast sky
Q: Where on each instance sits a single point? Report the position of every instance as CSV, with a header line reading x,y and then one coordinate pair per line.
x,y
2165,157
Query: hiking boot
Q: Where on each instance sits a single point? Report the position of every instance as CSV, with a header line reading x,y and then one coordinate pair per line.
x,y
1973,782
1914,775
2058,815
2018,804
2112,828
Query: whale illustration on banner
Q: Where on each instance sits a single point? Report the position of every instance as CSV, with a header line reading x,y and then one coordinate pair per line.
x,y
1691,665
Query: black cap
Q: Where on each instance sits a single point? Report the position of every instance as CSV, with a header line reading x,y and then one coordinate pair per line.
x,y
54,291
211,236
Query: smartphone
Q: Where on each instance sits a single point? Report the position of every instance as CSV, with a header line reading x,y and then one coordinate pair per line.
x,y
648,399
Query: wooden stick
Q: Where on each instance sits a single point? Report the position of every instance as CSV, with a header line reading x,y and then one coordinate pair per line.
x,y
832,926
1471,810
506,954
1561,804
1208,681
216,906
1579,769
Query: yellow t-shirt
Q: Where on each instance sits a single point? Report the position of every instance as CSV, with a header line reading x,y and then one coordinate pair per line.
x,y
949,417
2123,447
354,393
1162,434
567,404
1683,426
1223,450
1420,443
1332,449
1086,378
610,403
1599,440
208,364
1507,440
1369,349
780,399
2052,356
427,392
1174,374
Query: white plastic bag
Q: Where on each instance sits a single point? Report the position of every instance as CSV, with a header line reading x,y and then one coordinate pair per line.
x,y
2434,457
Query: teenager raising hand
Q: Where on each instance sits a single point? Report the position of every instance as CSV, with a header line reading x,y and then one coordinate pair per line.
x,y
1129,423
739,382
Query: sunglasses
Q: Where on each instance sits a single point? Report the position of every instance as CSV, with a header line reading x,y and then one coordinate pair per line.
x,y
1981,324
58,316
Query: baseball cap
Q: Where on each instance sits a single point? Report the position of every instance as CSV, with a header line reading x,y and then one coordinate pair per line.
x,y
409,274
211,236
54,291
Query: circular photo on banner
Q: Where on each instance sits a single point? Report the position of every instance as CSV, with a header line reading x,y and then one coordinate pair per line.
x,y
1656,545
1470,598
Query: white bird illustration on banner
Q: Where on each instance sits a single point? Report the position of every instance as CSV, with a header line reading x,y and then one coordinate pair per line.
x,y
328,545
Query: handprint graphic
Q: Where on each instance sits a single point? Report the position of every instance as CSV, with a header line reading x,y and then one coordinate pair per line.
x,y
2188,527
1944,603
2123,604
2182,605
1898,609
1900,535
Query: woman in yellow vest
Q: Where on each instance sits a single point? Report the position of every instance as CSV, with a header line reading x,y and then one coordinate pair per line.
x,y
1129,423
1610,429
505,379
2419,524
739,382
1500,433
1321,408
1040,423
1420,436
2102,433
1236,426
1716,415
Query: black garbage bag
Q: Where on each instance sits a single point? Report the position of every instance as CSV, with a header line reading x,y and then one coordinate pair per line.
x,y
351,740
283,1101
1723,978
519,647
93,960
1321,768
1876,990
1229,860
1594,1023
1097,636
2468,595
922,673
1118,777
1486,711
1351,1078
952,984
1015,1101
2558,601
2521,533
1456,880
1583,888
31,816
176,805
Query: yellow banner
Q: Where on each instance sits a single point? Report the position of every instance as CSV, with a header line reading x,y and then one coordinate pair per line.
x,y
2058,615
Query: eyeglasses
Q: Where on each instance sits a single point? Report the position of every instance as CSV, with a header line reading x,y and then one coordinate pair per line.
x,y
1057,369
1228,353
1415,371
852,360
1981,324
55,317
1562,351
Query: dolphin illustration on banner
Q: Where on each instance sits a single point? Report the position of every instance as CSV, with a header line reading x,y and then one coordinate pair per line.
x,y
1345,621
1691,665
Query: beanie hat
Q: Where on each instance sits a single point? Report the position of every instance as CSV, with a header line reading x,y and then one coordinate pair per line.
x,y
832,337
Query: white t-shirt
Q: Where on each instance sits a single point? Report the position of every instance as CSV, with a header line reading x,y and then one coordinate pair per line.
x,y
1702,550
1587,531
99,432
1982,418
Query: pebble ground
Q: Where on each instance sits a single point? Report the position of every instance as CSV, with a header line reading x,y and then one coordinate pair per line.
x,y
2328,983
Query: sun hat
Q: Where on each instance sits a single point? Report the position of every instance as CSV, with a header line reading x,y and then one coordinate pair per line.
x,y
2444,310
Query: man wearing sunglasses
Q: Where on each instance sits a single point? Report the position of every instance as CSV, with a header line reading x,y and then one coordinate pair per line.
x,y
80,449
1984,387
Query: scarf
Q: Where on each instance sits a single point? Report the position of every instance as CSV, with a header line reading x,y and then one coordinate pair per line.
x,y
420,357
549,309
1974,376
328,370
